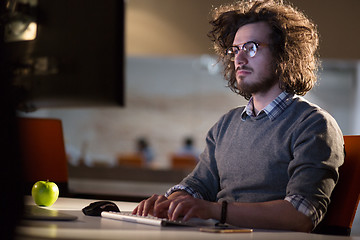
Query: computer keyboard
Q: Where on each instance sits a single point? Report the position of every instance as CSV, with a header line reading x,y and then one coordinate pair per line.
x,y
150,220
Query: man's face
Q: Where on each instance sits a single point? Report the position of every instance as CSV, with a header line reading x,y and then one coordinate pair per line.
x,y
254,74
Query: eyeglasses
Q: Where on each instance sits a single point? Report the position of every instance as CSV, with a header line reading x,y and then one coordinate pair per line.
x,y
250,48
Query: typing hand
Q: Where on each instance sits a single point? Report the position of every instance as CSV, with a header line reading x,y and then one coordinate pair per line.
x,y
150,206
189,207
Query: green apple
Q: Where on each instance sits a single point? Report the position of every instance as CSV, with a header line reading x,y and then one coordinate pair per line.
x,y
45,193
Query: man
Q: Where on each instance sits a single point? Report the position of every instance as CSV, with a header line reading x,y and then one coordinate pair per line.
x,y
273,163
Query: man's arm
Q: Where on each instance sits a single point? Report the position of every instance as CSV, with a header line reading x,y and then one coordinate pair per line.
x,y
277,214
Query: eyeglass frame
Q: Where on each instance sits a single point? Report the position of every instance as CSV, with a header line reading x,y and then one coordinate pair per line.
x,y
241,46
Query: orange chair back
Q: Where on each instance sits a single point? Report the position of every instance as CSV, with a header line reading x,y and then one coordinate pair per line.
x,y
179,161
131,160
43,150
345,197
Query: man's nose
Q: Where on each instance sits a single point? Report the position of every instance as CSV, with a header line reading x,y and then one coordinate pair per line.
x,y
241,58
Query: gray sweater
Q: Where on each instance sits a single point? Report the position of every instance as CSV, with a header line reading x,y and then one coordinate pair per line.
x,y
258,159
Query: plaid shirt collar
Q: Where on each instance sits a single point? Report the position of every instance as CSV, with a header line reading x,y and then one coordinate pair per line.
x,y
273,110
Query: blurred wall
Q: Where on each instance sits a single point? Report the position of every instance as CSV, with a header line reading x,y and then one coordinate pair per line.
x,y
160,37
171,27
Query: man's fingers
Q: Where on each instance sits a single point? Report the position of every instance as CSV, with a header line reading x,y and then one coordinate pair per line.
x,y
140,208
160,207
183,209
145,206
177,206
149,204
187,207
190,213
135,210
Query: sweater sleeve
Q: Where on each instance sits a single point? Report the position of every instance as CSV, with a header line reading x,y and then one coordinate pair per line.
x,y
318,152
204,179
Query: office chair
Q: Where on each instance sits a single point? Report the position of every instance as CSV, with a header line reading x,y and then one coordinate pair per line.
x,y
43,152
131,160
345,197
180,161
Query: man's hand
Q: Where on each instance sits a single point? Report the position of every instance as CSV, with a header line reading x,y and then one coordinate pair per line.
x,y
150,206
188,207
179,204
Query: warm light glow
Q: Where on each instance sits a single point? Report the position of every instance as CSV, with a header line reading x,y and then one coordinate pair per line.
x,y
20,31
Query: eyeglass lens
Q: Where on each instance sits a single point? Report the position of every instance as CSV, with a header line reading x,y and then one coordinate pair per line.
x,y
249,48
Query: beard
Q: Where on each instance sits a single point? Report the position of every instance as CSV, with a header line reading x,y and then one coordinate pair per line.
x,y
262,85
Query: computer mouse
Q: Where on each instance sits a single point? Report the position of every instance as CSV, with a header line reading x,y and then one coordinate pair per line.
x,y
95,208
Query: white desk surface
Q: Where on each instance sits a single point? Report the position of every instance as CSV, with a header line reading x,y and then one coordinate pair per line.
x,y
86,227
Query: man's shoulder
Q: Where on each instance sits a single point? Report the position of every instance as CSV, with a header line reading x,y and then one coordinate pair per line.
x,y
305,106
303,102
306,110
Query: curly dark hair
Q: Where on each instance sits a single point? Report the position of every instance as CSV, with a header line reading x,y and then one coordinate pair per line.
x,y
294,41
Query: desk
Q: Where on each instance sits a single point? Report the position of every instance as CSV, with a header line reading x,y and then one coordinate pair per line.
x,y
86,227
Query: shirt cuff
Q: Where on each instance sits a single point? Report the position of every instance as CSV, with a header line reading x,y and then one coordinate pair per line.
x,y
306,207
180,187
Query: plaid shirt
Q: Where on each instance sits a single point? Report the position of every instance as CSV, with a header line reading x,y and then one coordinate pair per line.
x,y
273,110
